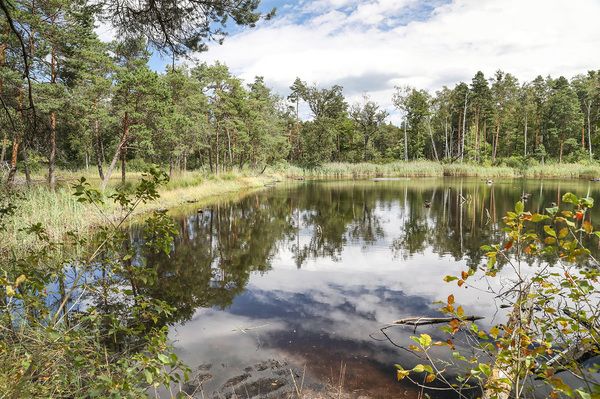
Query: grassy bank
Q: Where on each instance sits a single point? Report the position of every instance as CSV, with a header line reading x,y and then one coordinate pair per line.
x,y
59,212
435,169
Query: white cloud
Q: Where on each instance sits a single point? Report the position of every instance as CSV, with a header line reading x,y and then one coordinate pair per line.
x,y
105,31
332,41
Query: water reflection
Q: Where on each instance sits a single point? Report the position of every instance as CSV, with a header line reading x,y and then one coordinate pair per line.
x,y
305,273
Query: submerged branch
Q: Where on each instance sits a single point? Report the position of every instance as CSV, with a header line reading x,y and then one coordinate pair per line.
x,y
422,321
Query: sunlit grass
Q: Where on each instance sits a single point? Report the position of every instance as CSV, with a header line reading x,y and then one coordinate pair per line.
x,y
435,169
400,169
564,171
348,170
58,212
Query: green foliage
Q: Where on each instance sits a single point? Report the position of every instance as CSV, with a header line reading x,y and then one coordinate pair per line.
x,y
553,322
75,323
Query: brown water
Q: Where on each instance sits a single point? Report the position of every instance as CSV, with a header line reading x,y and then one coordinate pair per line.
x,y
302,277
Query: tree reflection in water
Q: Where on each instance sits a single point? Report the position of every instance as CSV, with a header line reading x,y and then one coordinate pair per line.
x,y
323,264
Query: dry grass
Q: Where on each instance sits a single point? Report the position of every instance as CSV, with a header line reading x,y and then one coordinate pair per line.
x,y
59,212
435,169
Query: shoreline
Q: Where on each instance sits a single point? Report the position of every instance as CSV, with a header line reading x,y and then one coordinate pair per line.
x,y
59,212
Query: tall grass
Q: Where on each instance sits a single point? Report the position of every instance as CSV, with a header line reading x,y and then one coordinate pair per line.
x,y
339,170
564,171
58,212
399,169
361,170
469,170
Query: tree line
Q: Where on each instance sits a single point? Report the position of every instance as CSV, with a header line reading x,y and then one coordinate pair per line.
x,y
71,100
485,121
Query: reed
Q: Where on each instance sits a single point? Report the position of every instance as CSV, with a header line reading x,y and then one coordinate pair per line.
x,y
339,170
58,212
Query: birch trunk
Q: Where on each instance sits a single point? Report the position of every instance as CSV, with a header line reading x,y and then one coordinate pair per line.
x,y
122,142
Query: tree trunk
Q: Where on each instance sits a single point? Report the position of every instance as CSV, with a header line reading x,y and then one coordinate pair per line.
x,y
451,147
4,140
15,143
459,134
52,155
229,148
217,152
485,137
561,152
496,138
123,164
26,166
525,140
122,142
464,128
477,136
589,123
13,159
405,141
98,149
446,153
432,141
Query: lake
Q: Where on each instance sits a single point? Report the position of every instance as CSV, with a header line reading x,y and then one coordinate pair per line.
x,y
288,287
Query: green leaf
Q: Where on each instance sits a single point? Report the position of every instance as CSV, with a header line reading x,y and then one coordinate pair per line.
x,y
419,368
550,231
583,394
148,375
536,217
425,340
588,202
164,359
570,198
485,369
519,207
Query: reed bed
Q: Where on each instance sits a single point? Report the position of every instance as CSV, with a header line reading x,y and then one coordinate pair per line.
x,y
58,212
399,169
563,171
340,170
360,170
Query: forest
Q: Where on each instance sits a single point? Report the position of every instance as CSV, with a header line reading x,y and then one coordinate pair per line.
x,y
72,101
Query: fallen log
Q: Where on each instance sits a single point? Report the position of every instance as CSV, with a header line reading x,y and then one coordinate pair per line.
x,y
422,321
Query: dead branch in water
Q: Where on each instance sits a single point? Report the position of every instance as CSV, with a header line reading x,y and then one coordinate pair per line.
x,y
422,321
416,322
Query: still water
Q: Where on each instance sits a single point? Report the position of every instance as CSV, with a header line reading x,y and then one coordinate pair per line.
x,y
298,279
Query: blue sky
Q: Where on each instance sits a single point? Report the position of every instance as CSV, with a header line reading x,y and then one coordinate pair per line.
x,y
371,46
